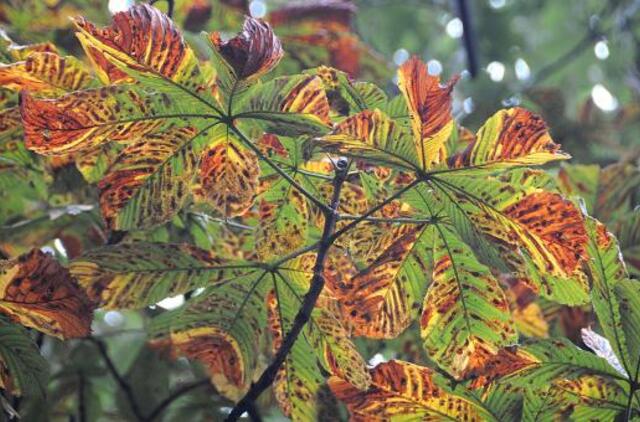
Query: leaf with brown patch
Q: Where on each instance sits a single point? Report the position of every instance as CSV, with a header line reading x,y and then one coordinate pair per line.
x,y
40,293
429,107
402,390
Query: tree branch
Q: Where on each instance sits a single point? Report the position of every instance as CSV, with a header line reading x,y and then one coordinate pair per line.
x,y
124,385
278,170
162,406
468,37
308,303
82,409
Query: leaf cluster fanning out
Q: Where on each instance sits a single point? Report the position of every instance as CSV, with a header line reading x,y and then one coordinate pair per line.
x,y
306,220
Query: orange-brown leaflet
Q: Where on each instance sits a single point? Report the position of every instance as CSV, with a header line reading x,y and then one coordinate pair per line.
x,y
507,361
42,294
229,178
134,167
308,97
401,389
253,52
557,222
269,143
60,125
522,132
372,313
213,351
430,101
142,32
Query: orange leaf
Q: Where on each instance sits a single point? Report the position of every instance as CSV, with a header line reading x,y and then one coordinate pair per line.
x,y
429,108
36,291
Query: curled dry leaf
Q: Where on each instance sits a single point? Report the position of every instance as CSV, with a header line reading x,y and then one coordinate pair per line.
x,y
253,52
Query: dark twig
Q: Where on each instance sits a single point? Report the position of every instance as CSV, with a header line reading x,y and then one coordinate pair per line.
x,y
115,237
82,409
169,6
468,37
162,406
252,411
308,303
633,387
124,385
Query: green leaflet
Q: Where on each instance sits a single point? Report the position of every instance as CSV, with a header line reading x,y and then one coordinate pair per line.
x,y
465,312
289,106
539,234
24,370
223,327
542,362
606,271
132,276
373,136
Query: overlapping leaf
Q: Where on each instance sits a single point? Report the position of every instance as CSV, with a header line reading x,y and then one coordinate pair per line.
x,y
132,276
38,292
228,176
510,138
372,134
465,315
383,299
22,369
401,391
547,228
289,106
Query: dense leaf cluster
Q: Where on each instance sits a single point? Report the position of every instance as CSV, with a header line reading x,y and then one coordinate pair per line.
x,y
306,219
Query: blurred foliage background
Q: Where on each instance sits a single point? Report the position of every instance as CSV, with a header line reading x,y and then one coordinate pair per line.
x,y
577,62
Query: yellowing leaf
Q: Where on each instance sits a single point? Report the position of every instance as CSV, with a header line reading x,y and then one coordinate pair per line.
x,y
228,177
132,276
84,119
371,134
404,391
150,180
217,351
223,327
429,106
141,41
512,137
288,106
284,221
38,292
45,74
381,300
465,315
537,231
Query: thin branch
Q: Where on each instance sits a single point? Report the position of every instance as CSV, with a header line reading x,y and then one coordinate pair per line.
x,y
82,409
375,209
308,304
468,37
124,385
633,387
162,406
278,170
397,220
